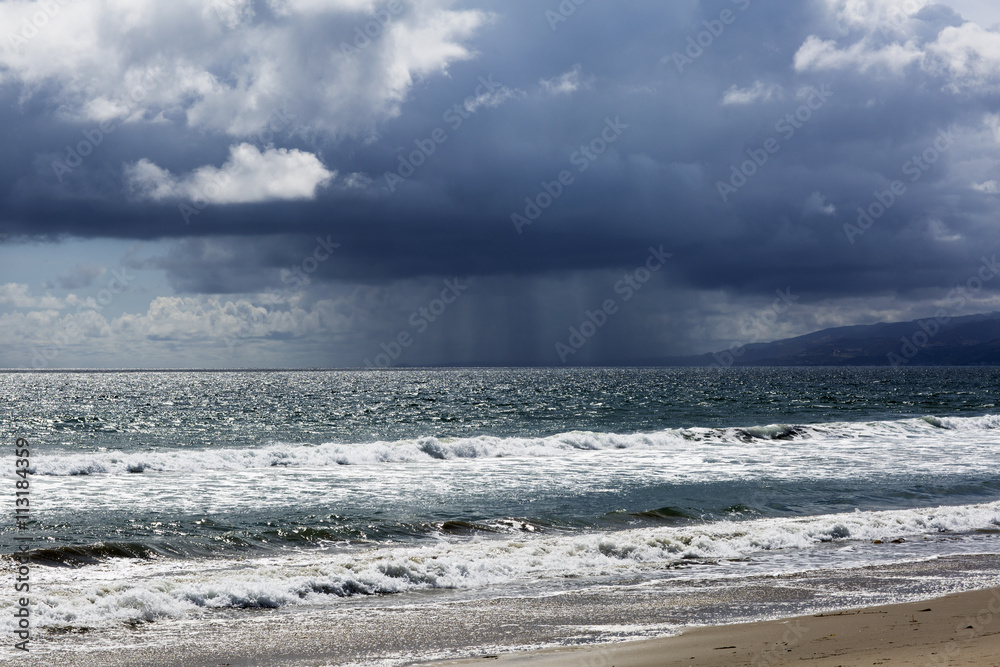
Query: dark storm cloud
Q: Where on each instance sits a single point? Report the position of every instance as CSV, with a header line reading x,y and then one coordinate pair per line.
x,y
675,138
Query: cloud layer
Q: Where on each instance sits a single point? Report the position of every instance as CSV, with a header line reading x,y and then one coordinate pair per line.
x,y
228,65
847,150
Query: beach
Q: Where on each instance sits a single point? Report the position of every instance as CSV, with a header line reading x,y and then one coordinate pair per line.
x,y
495,631
960,629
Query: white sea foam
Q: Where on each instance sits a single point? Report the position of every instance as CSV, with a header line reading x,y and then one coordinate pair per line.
x,y
433,448
986,422
126,590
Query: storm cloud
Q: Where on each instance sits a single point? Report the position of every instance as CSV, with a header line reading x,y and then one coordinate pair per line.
x,y
302,176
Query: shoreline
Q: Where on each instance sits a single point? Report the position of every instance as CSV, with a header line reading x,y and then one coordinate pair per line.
x,y
837,617
957,629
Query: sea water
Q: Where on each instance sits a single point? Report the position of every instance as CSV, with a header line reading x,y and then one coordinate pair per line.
x,y
162,499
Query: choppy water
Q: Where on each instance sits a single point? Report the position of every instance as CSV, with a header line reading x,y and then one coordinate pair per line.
x,y
159,497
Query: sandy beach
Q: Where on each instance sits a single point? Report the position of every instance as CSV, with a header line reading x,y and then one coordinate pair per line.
x,y
956,629
959,629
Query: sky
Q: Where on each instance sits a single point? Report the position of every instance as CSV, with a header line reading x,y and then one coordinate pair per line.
x,y
369,183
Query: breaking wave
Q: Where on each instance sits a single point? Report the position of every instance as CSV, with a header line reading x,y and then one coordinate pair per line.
x,y
435,448
172,589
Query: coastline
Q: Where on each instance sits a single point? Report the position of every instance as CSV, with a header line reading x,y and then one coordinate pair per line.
x,y
441,631
957,629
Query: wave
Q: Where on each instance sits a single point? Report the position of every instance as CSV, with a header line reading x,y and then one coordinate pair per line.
x,y
76,556
436,448
143,591
986,422
270,541
771,432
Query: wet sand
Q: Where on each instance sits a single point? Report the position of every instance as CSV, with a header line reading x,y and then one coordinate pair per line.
x,y
959,629
495,631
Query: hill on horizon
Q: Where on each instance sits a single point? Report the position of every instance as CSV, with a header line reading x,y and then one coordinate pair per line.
x,y
970,340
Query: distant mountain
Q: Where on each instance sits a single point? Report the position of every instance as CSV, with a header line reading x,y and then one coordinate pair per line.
x,y
972,340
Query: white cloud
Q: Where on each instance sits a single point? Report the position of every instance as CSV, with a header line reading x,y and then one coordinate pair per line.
x,y
292,7
567,83
816,204
819,54
967,55
232,13
98,60
491,99
990,187
939,231
247,176
992,123
177,331
758,92
208,320
884,15
19,296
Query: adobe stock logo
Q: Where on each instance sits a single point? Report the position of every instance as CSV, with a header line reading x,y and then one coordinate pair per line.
x,y
628,286
562,13
454,116
298,275
94,137
757,328
956,299
372,29
582,159
697,44
420,320
787,126
72,328
29,28
884,200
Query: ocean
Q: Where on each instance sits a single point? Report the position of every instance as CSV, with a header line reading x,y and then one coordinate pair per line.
x,y
395,516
